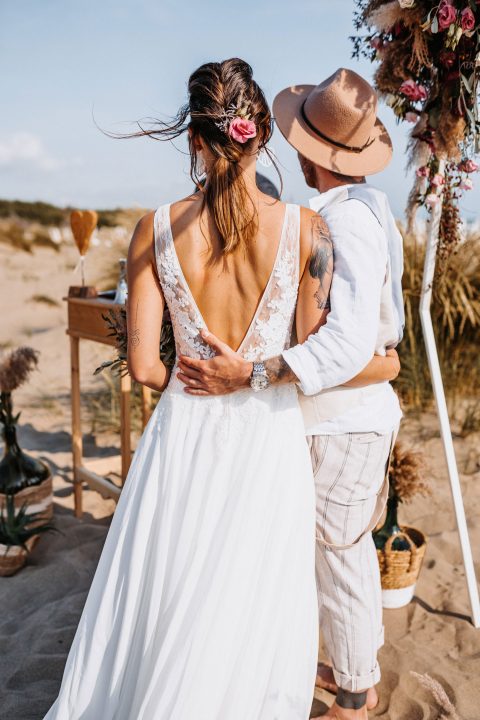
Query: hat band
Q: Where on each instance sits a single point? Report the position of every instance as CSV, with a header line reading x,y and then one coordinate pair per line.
x,y
350,148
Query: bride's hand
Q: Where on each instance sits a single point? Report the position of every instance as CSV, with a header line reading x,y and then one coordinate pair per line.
x,y
221,375
379,369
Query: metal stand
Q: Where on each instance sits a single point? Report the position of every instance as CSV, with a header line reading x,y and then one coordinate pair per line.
x,y
439,393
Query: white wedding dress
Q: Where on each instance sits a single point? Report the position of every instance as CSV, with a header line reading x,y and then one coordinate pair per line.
x,y
203,605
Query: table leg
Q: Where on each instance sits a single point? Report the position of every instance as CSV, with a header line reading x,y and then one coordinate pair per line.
x,y
77,448
146,405
125,387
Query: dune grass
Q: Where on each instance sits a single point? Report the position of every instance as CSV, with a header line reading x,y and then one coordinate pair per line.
x,y
456,320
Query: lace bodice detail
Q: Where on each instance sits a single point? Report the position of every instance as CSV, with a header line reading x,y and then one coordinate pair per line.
x,y
271,327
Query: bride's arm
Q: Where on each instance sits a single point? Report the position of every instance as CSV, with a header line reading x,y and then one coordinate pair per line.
x,y
144,310
381,368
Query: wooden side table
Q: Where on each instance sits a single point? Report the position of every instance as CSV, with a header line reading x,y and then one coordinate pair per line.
x,y
85,321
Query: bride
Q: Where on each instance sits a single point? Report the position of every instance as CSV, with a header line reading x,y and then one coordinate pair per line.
x,y
203,605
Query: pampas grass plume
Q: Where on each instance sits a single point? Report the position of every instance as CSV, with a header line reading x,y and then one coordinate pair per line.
x,y
15,367
441,698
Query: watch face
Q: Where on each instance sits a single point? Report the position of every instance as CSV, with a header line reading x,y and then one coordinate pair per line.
x,y
259,382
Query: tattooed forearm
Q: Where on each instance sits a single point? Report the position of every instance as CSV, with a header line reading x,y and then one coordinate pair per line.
x,y
279,372
135,336
320,265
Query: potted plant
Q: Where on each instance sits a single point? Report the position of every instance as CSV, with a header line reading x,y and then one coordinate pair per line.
x,y
18,534
400,549
26,478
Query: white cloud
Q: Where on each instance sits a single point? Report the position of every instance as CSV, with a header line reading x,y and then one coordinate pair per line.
x,y
24,148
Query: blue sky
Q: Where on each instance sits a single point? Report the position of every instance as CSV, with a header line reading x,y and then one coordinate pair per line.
x,y
63,60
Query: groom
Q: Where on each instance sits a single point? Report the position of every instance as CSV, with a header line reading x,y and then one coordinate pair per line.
x,y
350,430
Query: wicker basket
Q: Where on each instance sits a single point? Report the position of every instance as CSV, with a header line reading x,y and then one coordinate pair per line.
x,y
37,498
14,557
399,569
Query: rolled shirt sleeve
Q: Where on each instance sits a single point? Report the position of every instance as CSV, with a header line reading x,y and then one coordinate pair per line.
x,y
346,343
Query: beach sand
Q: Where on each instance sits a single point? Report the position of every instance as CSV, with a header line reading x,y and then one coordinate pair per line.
x,y
41,605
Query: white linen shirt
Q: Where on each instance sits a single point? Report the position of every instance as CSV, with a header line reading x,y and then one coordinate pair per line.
x,y
347,342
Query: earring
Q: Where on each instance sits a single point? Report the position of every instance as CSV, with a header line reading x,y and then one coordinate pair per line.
x,y
201,168
263,157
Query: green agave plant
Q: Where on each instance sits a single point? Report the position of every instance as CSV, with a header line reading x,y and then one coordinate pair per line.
x,y
16,526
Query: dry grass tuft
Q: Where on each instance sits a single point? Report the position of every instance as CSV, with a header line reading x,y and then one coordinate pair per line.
x,y
44,300
456,320
444,705
16,367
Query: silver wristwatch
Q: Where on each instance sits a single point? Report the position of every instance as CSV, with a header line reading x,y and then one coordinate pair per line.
x,y
259,378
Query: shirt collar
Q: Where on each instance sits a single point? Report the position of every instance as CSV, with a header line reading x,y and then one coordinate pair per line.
x,y
334,195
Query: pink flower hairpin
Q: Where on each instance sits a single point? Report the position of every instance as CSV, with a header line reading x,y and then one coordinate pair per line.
x,y
235,122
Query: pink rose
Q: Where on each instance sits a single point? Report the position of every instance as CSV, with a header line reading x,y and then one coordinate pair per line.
x,y
437,180
466,184
468,166
423,171
447,14
412,91
468,19
431,200
242,130
411,117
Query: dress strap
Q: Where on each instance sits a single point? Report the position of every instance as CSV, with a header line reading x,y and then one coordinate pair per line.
x,y
292,235
161,229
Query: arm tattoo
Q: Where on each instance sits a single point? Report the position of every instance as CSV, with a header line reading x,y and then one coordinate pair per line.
x,y
279,371
135,337
320,265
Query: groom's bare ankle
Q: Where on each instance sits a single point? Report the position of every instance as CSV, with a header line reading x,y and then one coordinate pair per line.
x,y
349,706
337,712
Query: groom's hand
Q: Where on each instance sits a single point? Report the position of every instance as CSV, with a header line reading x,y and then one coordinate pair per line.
x,y
223,374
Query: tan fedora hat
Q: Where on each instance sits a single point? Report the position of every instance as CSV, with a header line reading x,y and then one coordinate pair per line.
x,y
335,124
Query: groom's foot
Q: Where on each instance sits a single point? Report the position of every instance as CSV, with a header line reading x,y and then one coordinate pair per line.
x,y
326,681
348,706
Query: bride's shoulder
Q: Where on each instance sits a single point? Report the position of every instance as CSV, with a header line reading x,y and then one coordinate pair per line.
x,y
178,208
142,238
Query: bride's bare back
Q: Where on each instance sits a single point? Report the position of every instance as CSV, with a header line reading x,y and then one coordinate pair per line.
x,y
227,288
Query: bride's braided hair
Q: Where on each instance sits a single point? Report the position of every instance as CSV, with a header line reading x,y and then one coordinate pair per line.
x,y
213,89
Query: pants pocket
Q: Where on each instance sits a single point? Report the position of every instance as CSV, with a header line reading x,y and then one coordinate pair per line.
x,y
359,438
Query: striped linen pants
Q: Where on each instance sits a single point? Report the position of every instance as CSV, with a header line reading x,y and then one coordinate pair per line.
x,y
350,483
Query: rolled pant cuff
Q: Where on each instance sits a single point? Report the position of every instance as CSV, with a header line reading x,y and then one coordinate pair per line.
x,y
356,683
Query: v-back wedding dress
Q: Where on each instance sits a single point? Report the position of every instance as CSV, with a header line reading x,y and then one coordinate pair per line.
x,y
203,605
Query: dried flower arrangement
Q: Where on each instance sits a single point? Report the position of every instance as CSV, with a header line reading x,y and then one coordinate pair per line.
x,y
17,470
429,66
15,368
117,323
406,474
401,549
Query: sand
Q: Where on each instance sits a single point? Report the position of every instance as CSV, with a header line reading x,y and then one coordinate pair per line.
x,y
41,605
